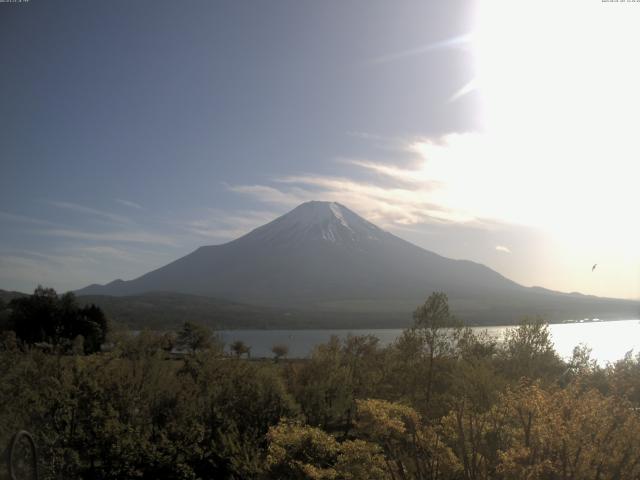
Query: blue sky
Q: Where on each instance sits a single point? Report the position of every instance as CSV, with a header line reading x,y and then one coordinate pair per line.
x,y
133,132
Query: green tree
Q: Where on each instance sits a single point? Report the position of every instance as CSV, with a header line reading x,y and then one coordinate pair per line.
x,y
322,386
194,337
438,329
301,452
528,352
411,449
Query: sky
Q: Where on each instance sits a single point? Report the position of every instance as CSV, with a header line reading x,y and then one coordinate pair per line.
x,y
504,131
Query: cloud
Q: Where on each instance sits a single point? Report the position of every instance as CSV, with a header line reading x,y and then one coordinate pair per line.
x,y
419,183
119,236
410,175
25,270
129,203
109,252
51,258
502,248
23,219
270,194
384,205
90,211
453,42
71,268
470,86
221,225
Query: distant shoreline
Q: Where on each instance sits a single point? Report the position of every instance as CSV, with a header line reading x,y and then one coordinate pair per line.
x,y
349,329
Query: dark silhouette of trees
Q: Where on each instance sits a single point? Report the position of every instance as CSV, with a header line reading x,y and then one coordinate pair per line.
x,y
46,317
240,348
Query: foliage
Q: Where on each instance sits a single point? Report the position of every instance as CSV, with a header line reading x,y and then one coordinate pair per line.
x,y
279,351
299,451
438,330
193,337
46,317
410,447
528,351
240,348
441,402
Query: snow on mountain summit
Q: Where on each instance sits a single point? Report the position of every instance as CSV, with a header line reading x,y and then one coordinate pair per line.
x,y
336,209
328,222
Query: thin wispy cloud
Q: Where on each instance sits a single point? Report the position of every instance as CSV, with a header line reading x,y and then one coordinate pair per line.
x,y
120,236
270,194
503,249
52,258
221,225
28,269
402,174
11,217
454,42
110,252
73,268
94,212
467,88
129,203
460,42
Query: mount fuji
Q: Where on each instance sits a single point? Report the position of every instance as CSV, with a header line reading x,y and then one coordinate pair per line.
x,y
322,257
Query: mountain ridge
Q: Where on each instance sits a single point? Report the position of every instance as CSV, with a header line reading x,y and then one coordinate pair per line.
x,y
323,256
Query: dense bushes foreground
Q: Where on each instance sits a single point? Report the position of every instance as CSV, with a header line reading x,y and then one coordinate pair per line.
x,y
440,403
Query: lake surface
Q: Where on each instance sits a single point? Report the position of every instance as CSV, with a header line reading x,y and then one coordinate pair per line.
x,y
609,340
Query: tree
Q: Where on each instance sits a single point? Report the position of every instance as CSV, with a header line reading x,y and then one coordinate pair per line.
x,y
8,341
323,386
47,317
236,404
240,348
411,449
567,433
298,451
193,337
624,378
4,316
280,351
528,351
92,325
301,452
438,329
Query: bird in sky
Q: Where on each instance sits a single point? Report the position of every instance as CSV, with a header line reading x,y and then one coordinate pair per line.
x,y
594,267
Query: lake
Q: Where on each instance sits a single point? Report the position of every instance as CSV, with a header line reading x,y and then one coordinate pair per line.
x,y
608,340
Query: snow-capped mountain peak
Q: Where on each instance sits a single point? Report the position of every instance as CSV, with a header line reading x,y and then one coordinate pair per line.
x,y
328,222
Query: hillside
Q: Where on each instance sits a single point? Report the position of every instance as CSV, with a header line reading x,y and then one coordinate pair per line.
x,y
167,310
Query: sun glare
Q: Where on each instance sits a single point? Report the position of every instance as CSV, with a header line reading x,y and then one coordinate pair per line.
x,y
559,83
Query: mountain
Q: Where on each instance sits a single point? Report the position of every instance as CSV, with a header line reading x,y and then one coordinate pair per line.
x,y
6,296
322,257
165,310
